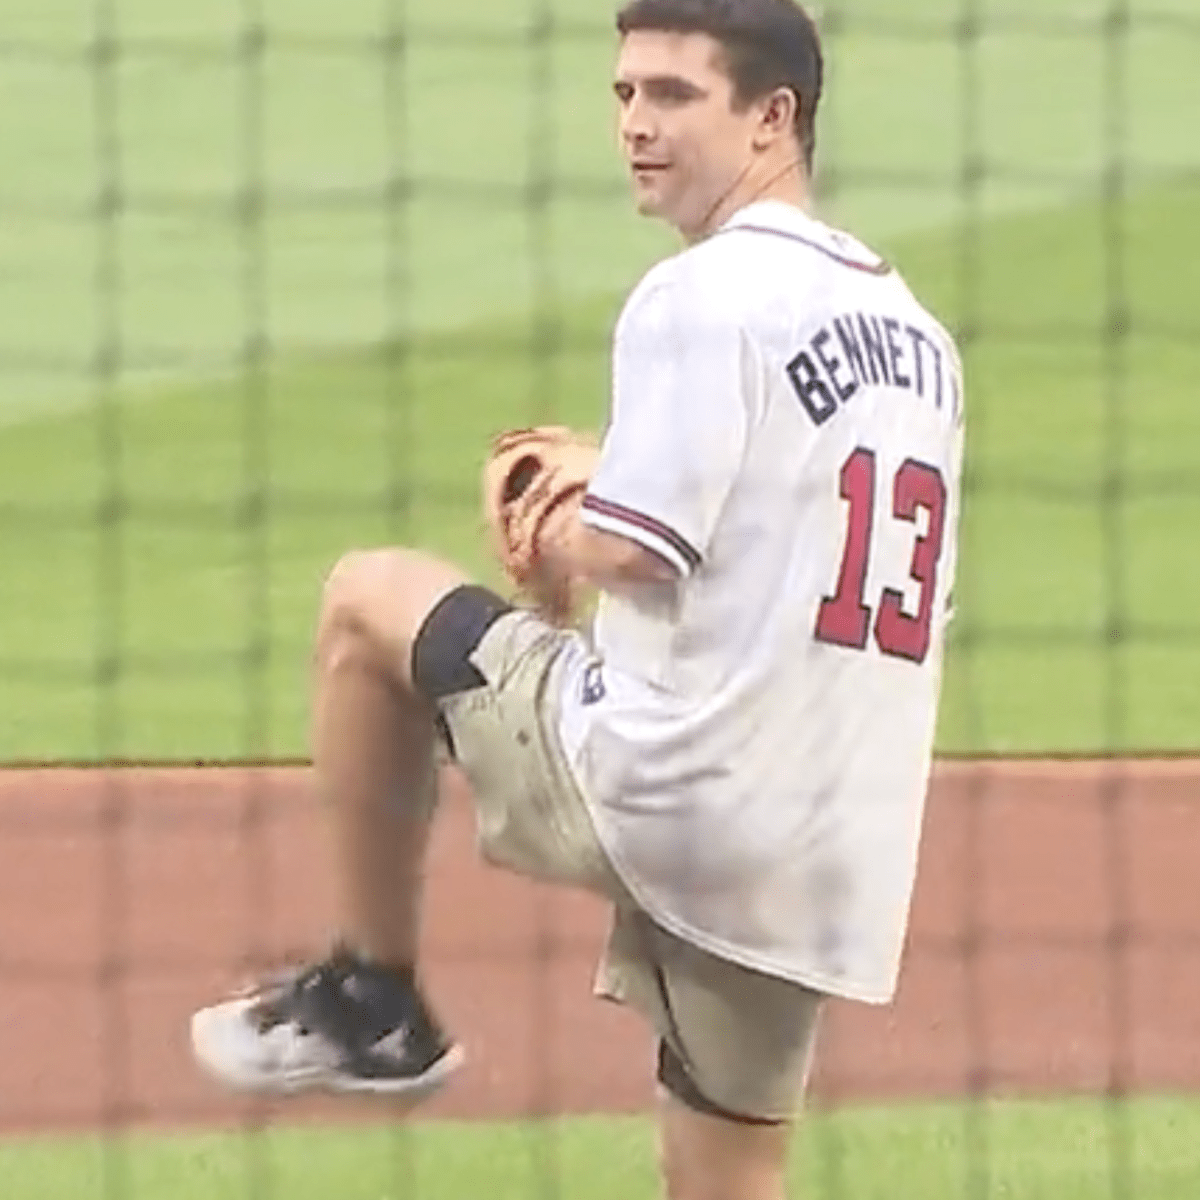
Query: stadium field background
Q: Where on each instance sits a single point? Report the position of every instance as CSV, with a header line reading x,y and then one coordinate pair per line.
x,y
273,272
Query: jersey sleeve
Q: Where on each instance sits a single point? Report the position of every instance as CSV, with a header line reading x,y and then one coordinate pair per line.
x,y
677,427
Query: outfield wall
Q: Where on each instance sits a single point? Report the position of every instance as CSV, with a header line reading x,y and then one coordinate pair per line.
x,y
1055,945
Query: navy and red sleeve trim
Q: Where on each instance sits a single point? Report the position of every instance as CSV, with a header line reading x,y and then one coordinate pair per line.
x,y
646,531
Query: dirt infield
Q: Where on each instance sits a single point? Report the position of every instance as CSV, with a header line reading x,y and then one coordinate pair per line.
x,y
1055,945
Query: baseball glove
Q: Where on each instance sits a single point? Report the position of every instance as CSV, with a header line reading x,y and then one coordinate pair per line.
x,y
533,484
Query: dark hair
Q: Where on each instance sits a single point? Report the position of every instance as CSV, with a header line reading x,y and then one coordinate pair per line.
x,y
768,44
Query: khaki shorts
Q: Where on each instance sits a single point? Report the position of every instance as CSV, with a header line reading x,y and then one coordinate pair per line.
x,y
742,1038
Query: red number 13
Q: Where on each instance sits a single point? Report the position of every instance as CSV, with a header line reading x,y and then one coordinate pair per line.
x,y
843,619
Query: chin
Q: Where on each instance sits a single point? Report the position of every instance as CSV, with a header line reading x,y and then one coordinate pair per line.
x,y
651,202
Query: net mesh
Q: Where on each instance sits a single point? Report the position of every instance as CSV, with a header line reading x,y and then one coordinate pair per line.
x,y
272,273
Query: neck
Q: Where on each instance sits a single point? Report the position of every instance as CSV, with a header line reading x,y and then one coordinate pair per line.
x,y
785,181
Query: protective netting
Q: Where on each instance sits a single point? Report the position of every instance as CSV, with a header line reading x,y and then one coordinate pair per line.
x,y
272,272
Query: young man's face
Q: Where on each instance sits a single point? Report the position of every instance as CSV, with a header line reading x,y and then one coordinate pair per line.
x,y
686,146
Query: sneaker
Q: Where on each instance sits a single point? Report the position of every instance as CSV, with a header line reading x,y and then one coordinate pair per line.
x,y
342,1024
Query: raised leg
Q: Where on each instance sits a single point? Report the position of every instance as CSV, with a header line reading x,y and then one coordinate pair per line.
x,y
356,1021
373,744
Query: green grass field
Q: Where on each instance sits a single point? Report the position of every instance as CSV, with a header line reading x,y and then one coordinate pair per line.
x,y
166,528
1002,1151
325,374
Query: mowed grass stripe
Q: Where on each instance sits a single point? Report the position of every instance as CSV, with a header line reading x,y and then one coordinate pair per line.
x,y
164,556
1071,1149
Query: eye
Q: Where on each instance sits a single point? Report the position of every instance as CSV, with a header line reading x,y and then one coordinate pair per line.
x,y
672,91
623,91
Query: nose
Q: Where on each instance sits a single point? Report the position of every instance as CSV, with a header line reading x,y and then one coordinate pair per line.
x,y
637,123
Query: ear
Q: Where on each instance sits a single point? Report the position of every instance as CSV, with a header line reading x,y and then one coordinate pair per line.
x,y
777,117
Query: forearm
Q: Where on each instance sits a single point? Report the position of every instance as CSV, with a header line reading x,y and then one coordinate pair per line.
x,y
606,560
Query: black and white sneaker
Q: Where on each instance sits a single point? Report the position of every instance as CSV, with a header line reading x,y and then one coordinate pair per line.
x,y
342,1024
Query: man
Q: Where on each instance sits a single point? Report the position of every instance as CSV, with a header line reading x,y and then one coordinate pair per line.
x,y
737,757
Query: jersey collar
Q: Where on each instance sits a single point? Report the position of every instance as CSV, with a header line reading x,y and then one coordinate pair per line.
x,y
771,213
786,220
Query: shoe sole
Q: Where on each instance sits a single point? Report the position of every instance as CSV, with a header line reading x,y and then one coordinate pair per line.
x,y
289,1081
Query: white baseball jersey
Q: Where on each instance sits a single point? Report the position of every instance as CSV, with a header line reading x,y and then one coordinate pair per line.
x,y
786,429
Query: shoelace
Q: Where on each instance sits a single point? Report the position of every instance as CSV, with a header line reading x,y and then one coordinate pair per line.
x,y
279,998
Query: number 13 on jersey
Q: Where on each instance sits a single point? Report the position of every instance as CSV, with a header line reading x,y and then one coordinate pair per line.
x,y
844,619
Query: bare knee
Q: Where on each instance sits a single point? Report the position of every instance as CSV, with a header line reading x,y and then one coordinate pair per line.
x,y
346,587
350,600
375,601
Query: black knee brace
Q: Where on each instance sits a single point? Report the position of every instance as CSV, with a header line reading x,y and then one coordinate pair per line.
x,y
449,634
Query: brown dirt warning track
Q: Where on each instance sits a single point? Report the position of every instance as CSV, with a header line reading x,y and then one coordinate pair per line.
x,y
1055,945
